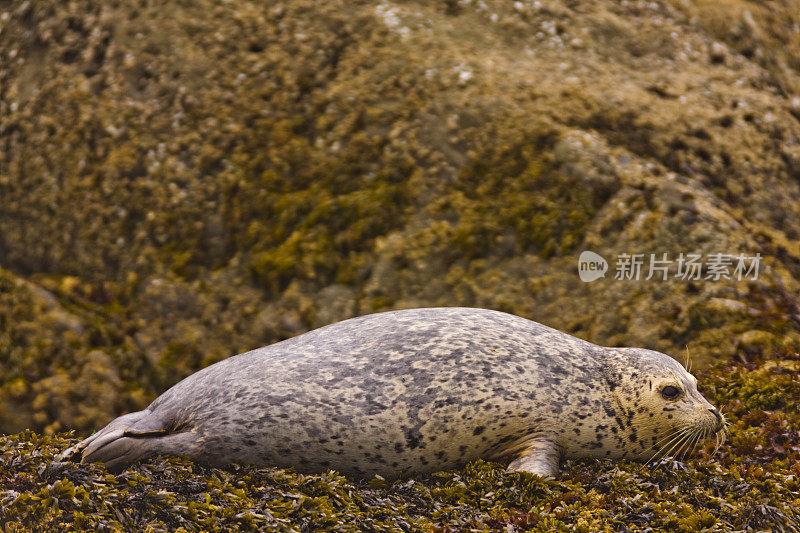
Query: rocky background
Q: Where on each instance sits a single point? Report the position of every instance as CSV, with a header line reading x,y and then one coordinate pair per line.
x,y
182,181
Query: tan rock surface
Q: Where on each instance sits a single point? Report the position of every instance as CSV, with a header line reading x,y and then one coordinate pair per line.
x,y
183,181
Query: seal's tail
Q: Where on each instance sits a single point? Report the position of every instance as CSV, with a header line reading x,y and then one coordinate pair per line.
x,y
125,440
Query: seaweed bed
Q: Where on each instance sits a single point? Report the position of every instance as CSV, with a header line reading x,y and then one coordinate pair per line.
x,y
752,484
182,181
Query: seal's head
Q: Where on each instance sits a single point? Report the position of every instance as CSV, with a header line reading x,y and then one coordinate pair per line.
x,y
663,411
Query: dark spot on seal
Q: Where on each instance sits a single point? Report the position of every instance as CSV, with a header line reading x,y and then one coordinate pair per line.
x,y
610,412
478,430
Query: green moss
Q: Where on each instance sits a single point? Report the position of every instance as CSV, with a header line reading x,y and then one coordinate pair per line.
x,y
511,199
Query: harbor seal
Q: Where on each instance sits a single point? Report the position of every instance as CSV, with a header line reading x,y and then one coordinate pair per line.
x,y
416,391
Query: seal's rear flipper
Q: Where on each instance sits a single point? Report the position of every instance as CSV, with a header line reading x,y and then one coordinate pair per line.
x,y
120,443
108,433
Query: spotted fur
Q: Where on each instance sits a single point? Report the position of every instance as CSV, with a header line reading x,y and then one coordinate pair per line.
x,y
414,391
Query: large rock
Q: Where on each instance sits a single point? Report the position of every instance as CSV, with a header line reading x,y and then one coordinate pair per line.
x,y
195,179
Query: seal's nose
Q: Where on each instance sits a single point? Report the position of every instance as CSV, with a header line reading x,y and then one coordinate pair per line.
x,y
719,417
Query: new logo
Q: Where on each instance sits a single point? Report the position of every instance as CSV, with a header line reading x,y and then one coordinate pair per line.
x,y
591,266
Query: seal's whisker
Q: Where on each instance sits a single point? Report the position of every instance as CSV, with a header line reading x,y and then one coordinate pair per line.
x,y
667,440
678,446
688,364
672,433
688,448
698,438
652,458
657,445
681,433
668,450
720,438
703,439
681,448
657,424
696,444
681,452
681,455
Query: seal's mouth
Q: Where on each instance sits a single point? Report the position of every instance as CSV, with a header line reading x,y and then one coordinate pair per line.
x,y
682,441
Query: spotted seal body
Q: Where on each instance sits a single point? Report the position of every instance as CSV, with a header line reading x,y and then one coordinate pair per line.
x,y
416,391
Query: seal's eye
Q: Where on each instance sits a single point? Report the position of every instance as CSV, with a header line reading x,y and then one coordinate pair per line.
x,y
670,393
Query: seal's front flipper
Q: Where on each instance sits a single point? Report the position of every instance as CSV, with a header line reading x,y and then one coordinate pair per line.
x,y
540,456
